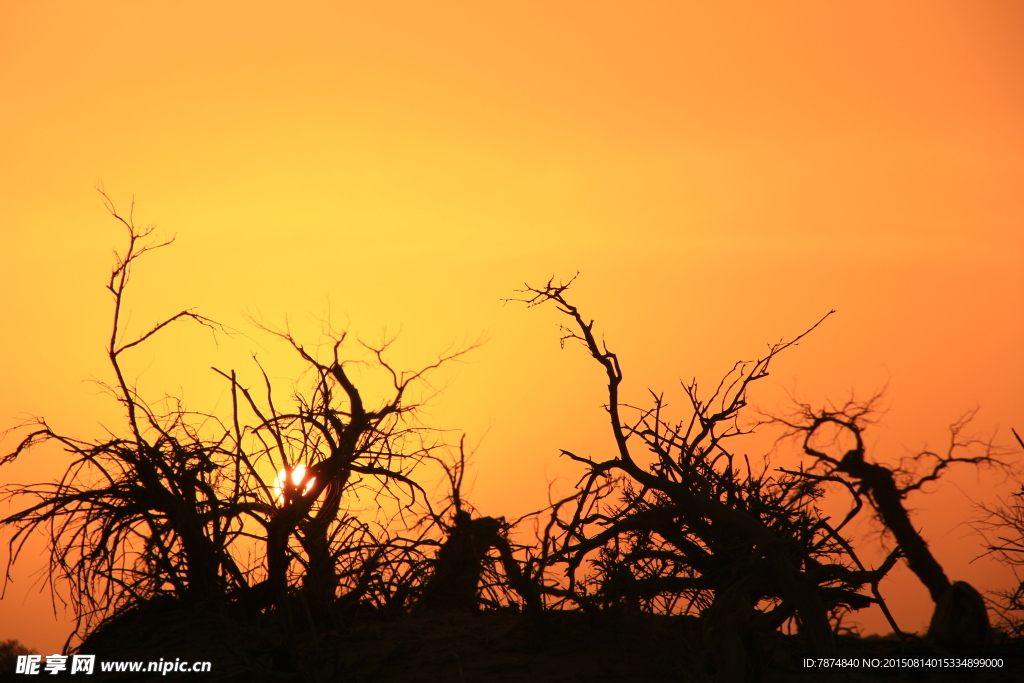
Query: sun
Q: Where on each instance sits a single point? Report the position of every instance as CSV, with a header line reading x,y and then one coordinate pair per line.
x,y
298,476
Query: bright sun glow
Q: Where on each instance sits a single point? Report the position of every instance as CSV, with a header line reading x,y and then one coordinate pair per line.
x,y
298,475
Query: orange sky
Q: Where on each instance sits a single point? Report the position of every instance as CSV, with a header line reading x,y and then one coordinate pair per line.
x,y
721,176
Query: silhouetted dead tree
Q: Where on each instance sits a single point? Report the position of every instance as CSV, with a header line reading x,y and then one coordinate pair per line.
x,y
334,437
172,509
699,529
1006,523
455,580
960,616
465,574
1003,526
139,515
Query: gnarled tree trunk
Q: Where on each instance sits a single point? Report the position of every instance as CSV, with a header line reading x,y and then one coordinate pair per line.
x,y
453,586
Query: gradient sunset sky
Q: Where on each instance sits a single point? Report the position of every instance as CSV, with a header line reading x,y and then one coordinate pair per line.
x,y
721,174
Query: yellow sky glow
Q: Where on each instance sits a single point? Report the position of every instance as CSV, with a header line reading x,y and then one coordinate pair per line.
x,y
721,176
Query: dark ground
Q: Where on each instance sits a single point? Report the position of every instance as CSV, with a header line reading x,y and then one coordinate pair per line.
x,y
553,647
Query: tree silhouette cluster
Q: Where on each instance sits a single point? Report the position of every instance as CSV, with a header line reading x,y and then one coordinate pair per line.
x,y
699,530
253,512
169,509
